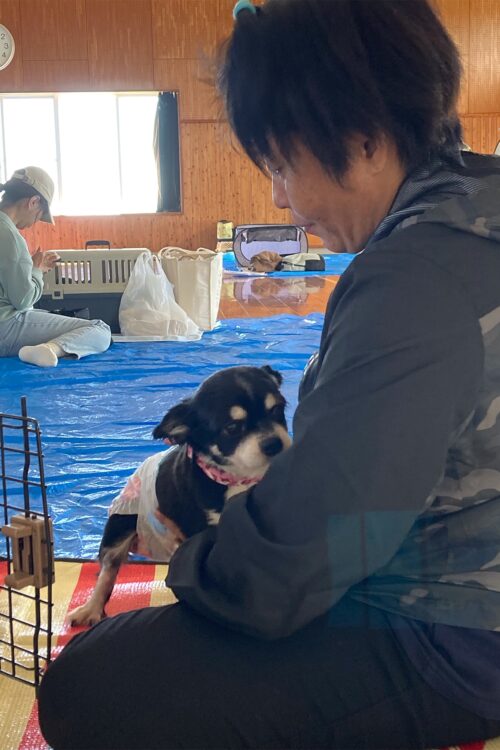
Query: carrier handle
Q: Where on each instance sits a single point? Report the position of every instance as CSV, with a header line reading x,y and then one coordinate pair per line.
x,y
98,243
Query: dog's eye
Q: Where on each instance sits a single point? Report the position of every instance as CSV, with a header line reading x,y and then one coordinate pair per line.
x,y
233,428
277,411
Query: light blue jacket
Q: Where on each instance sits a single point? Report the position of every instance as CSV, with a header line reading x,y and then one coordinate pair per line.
x,y
21,284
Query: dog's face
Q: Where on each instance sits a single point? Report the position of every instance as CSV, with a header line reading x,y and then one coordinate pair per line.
x,y
236,420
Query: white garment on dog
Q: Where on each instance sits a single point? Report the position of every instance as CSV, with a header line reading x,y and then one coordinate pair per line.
x,y
139,496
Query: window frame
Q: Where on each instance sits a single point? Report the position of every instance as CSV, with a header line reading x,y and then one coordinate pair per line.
x,y
58,178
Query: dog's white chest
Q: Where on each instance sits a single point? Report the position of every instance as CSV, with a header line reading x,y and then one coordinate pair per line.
x,y
234,489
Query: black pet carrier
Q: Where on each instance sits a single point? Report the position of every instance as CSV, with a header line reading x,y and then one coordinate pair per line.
x,y
251,239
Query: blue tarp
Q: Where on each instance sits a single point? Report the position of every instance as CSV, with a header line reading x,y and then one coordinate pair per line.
x,y
97,415
335,264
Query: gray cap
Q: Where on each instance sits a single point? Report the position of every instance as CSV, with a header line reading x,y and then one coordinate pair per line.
x,y
40,181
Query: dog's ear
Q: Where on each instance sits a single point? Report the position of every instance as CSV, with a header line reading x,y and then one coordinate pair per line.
x,y
176,424
274,374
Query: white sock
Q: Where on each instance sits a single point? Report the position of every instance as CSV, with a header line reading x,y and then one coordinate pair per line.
x,y
43,355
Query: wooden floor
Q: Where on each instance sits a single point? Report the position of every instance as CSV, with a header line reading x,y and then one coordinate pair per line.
x,y
265,296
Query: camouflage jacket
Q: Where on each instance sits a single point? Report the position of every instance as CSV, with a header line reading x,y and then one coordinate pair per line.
x,y
391,489
447,570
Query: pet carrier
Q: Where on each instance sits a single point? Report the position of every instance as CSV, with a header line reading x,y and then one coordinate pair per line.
x,y
92,279
251,239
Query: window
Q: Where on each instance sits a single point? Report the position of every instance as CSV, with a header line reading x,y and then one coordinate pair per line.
x,y
98,148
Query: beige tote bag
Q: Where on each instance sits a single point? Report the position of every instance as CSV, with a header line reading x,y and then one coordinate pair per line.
x,y
196,276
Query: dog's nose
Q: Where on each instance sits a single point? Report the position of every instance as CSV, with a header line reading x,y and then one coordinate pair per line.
x,y
271,446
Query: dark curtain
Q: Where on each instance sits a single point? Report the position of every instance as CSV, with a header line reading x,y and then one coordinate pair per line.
x,y
166,147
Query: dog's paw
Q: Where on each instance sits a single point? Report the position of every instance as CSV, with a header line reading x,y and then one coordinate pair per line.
x,y
213,517
87,614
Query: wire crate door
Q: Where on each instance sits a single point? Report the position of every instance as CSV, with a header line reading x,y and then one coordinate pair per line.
x,y
26,552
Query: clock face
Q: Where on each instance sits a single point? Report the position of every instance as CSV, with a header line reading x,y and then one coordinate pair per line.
x,y
7,47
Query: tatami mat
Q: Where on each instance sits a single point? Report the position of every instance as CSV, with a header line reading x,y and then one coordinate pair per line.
x,y
138,585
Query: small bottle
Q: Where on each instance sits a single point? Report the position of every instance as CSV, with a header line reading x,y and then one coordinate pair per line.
x,y
224,236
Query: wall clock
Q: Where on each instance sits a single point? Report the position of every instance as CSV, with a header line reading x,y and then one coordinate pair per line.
x,y
7,47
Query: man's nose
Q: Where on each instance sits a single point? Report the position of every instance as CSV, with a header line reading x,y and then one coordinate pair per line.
x,y
280,198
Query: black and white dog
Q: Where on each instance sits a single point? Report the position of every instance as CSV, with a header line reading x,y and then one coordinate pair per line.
x,y
225,436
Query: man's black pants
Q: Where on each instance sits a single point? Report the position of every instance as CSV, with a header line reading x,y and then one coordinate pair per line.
x,y
167,678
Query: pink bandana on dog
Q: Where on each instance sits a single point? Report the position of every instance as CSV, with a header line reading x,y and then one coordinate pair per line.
x,y
219,475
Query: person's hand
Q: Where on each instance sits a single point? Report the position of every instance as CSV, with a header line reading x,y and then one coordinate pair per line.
x,y
171,526
44,260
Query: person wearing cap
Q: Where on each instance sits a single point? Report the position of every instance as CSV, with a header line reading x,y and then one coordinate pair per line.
x,y
36,336
351,599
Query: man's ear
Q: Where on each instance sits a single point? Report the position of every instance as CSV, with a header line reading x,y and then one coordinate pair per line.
x,y
176,424
274,374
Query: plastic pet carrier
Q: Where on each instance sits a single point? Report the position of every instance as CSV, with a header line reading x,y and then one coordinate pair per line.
x,y
251,239
89,283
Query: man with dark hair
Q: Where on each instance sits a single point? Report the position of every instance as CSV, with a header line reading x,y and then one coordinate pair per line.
x,y
352,598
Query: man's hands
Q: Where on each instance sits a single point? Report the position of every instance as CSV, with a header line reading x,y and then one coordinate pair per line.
x,y
44,260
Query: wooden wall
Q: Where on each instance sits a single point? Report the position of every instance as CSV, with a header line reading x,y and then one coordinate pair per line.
x,y
475,26
135,45
127,45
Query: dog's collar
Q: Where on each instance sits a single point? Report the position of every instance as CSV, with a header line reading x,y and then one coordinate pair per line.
x,y
219,475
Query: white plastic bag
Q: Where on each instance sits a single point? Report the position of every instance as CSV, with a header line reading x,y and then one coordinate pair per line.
x,y
148,307
197,279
